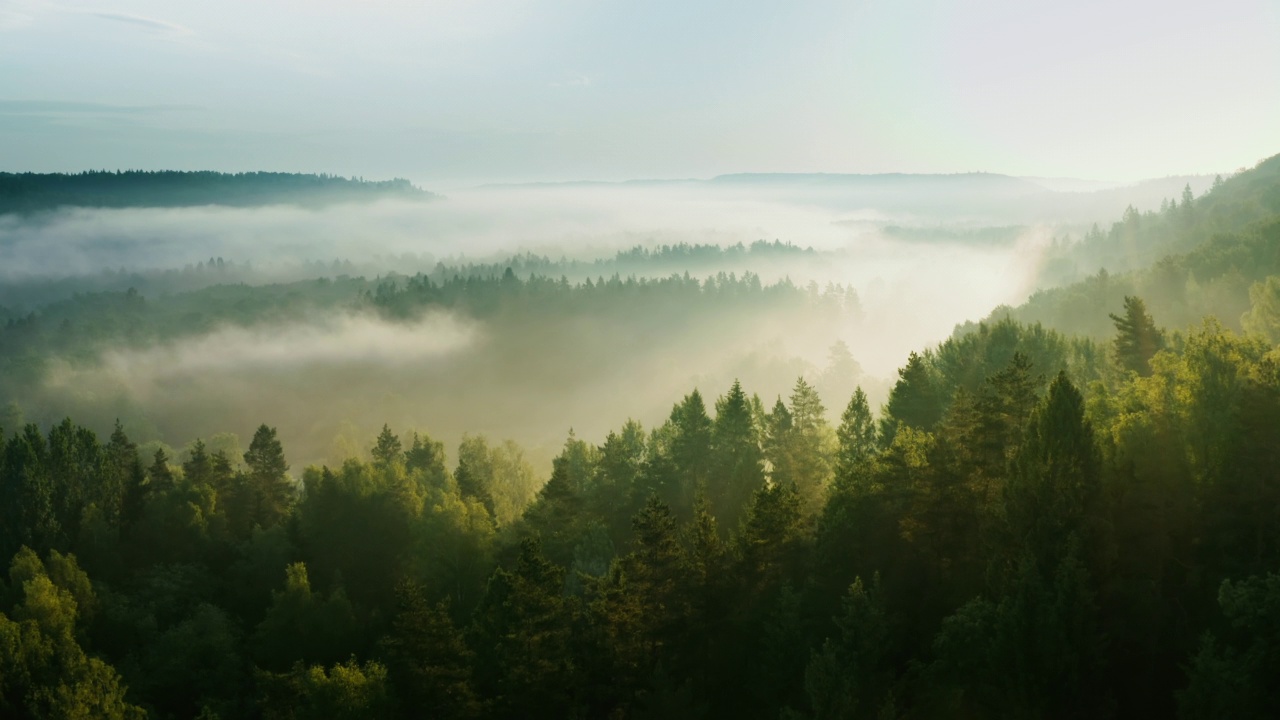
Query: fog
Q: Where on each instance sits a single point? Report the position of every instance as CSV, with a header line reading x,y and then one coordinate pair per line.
x,y
321,382
576,220
904,275
345,341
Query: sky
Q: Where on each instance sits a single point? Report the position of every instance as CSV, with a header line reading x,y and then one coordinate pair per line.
x,y
450,93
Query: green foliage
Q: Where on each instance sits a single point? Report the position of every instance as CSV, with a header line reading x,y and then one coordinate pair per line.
x,y
1137,337
44,672
428,658
345,691
916,401
857,437
1233,673
1263,317
1036,651
849,676
737,469
1049,546
387,449
266,492
304,626
523,636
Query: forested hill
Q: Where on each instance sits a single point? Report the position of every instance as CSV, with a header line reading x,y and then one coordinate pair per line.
x,y
31,192
1026,532
1215,255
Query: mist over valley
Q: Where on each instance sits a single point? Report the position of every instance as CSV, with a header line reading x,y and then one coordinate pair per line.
x,y
575,360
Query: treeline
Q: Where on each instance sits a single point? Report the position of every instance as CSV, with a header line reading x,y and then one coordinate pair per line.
x,y
484,295
31,192
80,327
25,294
1032,527
637,260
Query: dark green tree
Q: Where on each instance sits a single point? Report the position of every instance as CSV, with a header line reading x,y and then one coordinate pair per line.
x,y
1137,337
1233,673
523,636
809,438
737,468
856,436
915,400
267,491
387,449
427,456
428,659
160,475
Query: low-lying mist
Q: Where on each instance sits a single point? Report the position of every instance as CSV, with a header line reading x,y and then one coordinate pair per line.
x,y
330,385
903,278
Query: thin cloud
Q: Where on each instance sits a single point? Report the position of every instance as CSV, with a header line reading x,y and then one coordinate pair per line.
x,y
152,24
43,107
10,20
578,80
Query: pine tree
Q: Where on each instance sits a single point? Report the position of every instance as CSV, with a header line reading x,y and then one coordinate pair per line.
x,y
161,476
1054,495
915,400
1137,338
428,658
122,477
198,468
387,450
268,491
737,468
809,438
690,450
523,636
856,436
427,456
778,447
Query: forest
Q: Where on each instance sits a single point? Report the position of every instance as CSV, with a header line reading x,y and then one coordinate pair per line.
x,y
1068,510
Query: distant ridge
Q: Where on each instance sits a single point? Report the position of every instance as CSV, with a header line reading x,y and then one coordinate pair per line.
x,y
34,192
934,179
784,178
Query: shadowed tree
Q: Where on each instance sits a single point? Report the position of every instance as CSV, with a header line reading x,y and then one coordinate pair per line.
x,y
160,474
737,469
428,659
809,440
268,491
856,437
523,636
1137,337
915,400
387,449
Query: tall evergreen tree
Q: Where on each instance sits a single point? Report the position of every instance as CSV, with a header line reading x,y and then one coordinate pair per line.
x,y
809,439
429,661
427,456
160,475
690,450
1055,494
1137,337
523,636
778,447
856,436
387,449
267,490
737,469
915,400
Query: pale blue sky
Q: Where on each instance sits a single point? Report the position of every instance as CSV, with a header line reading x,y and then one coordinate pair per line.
x,y
451,92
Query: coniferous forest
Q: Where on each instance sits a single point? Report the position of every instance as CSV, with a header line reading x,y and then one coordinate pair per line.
x,y
1070,509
